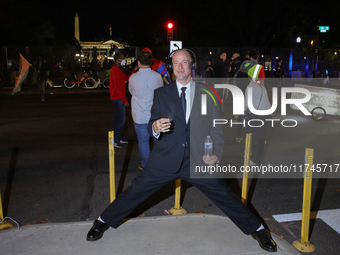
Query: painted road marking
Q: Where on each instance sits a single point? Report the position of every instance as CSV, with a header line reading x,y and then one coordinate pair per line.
x,y
330,217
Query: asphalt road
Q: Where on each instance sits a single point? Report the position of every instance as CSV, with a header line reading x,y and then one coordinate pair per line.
x,y
54,165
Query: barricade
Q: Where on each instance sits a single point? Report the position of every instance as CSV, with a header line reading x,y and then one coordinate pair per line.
x,y
304,244
4,224
112,167
177,209
246,161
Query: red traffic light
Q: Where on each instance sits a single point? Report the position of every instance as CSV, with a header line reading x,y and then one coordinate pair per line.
x,y
170,25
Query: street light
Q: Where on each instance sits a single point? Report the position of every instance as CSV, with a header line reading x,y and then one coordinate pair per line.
x,y
298,39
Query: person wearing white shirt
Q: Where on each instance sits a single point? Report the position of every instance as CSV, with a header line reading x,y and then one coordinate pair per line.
x,y
260,102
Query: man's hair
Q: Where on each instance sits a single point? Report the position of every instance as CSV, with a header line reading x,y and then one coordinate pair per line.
x,y
186,52
117,56
145,58
254,54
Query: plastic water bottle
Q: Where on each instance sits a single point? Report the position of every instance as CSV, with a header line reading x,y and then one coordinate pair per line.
x,y
208,147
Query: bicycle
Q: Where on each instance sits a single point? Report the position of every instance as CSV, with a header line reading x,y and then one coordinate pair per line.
x,y
70,82
106,81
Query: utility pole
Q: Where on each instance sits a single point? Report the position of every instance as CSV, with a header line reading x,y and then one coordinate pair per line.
x,y
316,50
110,32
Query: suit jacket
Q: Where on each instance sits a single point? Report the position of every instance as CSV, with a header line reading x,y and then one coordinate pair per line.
x,y
169,149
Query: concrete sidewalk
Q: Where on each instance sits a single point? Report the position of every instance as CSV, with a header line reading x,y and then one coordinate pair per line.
x,y
184,234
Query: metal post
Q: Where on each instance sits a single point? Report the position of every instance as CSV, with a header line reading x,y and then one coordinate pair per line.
x,y
112,167
178,194
177,209
4,224
316,50
247,151
304,244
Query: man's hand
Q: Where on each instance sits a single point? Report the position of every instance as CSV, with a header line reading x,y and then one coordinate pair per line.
x,y
127,104
162,125
210,160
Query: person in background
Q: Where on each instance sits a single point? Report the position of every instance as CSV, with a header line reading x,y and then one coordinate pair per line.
x,y
141,86
118,97
279,73
246,55
221,66
241,81
209,71
42,77
94,68
221,72
233,65
260,101
255,72
159,67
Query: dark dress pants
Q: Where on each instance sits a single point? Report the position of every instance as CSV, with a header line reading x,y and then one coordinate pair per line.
x,y
150,180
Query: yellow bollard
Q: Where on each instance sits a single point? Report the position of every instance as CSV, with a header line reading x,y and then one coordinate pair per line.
x,y
304,244
112,167
4,224
177,209
247,151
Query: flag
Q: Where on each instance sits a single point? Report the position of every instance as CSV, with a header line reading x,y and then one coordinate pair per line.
x,y
23,71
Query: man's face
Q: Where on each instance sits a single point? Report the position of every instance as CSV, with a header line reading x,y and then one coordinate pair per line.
x,y
223,56
122,60
181,64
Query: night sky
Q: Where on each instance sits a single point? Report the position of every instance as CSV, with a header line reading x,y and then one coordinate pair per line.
x,y
200,23
95,17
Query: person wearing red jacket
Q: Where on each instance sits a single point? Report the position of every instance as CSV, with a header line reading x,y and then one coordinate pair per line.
x,y
118,97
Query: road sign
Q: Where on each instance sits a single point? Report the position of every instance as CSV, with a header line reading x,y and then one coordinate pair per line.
x,y
323,29
175,45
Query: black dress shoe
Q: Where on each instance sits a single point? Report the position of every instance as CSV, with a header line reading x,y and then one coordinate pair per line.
x,y
265,241
97,231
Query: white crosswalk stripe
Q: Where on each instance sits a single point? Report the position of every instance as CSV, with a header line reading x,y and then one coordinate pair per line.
x,y
330,217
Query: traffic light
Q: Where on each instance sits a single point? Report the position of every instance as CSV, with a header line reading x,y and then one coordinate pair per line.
x,y
170,31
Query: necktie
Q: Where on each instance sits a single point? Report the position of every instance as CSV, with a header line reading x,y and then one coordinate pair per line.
x,y
183,101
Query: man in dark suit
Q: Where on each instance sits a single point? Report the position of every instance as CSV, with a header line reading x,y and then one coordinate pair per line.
x,y
174,110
